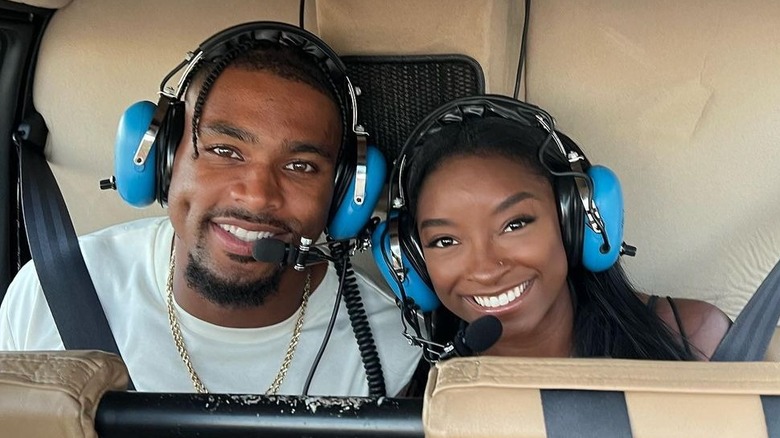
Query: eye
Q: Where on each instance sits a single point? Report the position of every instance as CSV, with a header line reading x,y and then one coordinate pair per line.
x,y
518,223
225,152
442,242
301,166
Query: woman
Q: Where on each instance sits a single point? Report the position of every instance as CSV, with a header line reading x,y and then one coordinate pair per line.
x,y
483,192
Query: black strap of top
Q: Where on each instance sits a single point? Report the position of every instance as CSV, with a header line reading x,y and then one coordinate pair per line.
x,y
651,302
680,328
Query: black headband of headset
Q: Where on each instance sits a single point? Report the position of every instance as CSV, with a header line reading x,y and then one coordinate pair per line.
x,y
283,34
278,33
456,111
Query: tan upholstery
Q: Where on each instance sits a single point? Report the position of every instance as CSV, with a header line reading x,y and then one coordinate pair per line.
x,y
500,397
680,99
773,351
55,394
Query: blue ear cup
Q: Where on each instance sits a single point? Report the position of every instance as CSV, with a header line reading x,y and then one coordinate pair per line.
x,y
608,197
415,288
350,218
135,184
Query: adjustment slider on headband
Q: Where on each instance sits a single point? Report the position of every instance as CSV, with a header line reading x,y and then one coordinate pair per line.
x,y
395,251
142,153
362,146
168,95
360,169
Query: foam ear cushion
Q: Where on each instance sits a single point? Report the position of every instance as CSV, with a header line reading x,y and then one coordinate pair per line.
x,y
168,140
571,216
415,288
608,197
135,184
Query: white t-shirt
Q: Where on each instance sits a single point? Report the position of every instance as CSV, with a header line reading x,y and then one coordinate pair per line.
x,y
129,264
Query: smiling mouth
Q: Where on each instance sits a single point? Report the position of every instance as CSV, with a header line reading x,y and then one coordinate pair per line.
x,y
504,298
246,235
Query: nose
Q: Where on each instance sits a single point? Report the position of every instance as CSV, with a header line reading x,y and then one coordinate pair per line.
x,y
487,263
257,188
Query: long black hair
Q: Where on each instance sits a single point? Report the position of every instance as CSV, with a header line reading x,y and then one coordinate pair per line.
x,y
610,320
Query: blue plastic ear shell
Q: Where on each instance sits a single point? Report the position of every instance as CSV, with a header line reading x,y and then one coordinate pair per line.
x,y
135,184
413,284
608,197
350,218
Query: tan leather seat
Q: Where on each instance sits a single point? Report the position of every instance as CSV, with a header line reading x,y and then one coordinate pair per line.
x,y
55,394
502,397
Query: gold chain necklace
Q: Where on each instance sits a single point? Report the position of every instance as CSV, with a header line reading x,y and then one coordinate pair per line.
x,y
178,339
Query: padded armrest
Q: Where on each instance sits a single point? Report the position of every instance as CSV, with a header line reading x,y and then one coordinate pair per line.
x,y
502,397
55,394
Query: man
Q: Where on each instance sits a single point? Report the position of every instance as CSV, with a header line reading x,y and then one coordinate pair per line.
x,y
263,137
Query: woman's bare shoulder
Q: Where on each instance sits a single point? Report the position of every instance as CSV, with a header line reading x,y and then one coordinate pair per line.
x,y
703,323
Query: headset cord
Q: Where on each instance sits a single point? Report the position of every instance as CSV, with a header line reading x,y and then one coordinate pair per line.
x,y
334,314
359,321
521,58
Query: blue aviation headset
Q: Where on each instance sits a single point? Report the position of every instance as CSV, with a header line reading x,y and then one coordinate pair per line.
x,y
590,200
148,134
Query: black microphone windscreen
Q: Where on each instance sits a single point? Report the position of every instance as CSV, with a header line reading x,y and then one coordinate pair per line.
x,y
482,333
269,250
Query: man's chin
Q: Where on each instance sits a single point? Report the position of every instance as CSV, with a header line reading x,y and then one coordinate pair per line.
x,y
245,286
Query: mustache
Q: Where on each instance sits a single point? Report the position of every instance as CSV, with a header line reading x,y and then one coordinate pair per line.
x,y
289,226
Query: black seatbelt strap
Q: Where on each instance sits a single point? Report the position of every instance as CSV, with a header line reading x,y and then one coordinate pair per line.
x,y
771,406
55,251
570,413
749,336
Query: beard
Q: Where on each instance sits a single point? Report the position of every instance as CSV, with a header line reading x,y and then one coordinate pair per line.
x,y
230,293
227,292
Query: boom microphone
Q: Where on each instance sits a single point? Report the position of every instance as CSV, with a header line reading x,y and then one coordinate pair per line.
x,y
271,251
277,251
478,337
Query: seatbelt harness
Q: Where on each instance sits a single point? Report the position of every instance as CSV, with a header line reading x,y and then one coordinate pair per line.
x,y
55,250
749,336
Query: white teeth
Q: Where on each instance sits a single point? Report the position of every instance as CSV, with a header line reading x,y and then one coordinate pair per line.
x,y
245,235
503,298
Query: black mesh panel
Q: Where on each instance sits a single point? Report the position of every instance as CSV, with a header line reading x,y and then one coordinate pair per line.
x,y
399,91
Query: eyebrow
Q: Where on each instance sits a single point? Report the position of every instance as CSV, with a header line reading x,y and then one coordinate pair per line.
x,y
434,223
224,128
512,200
307,148
503,206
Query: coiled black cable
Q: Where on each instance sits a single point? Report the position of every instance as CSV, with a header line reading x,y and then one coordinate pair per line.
x,y
359,321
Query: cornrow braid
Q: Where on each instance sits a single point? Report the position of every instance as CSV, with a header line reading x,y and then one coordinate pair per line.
x,y
208,82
